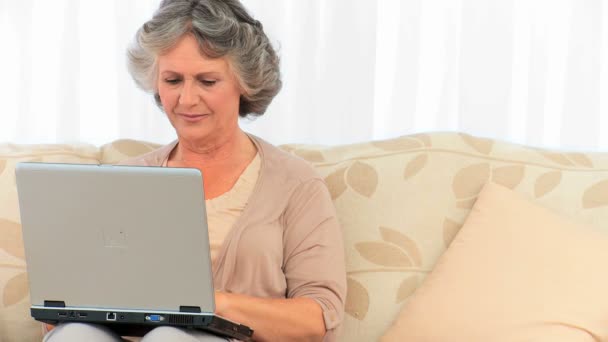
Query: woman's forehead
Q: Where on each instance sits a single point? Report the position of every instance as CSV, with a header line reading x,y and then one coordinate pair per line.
x,y
186,56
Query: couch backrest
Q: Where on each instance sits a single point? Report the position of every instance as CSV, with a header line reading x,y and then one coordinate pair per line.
x,y
400,203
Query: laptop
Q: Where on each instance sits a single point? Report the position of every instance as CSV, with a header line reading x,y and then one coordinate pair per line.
x,y
123,246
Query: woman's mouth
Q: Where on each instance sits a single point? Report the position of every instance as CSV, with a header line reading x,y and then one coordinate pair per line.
x,y
192,117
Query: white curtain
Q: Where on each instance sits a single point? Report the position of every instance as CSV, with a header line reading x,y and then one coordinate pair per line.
x,y
527,71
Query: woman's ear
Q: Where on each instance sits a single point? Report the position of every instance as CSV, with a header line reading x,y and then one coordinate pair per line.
x,y
159,103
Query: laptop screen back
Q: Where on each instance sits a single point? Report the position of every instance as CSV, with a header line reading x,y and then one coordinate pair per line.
x,y
115,236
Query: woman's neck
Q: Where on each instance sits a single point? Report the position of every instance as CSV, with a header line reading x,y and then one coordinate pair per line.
x,y
229,150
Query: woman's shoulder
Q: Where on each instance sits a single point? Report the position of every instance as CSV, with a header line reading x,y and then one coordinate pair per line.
x,y
282,164
153,158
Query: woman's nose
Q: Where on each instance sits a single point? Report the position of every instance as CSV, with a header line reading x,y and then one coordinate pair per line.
x,y
188,95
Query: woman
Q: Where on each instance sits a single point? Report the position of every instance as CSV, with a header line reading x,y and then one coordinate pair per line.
x,y
276,246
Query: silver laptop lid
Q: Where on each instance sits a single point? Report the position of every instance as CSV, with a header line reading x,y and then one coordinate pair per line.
x,y
121,237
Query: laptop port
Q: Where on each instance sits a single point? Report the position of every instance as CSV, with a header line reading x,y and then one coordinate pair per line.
x,y
82,314
62,314
155,318
111,316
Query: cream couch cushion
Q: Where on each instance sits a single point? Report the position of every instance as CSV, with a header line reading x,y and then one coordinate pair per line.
x,y
120,150
514,272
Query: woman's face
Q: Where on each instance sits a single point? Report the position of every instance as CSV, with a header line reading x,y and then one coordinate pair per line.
x,y
200,95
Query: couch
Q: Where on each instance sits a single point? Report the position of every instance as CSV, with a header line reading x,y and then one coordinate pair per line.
x,y
400,202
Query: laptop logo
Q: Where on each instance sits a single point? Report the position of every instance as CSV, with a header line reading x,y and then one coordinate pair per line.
x,y
115,237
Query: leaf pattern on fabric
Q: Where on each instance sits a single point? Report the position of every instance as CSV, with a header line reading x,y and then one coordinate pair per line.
x,y
362,178
509,176
468,181
481,145
310,155
580,159
596,195
557,158
336,183
384,254
288,148
406,244
11,239
407,287
398,144
546,182
357,299
450,229
131,148
425,138
16,290
415,166
466,204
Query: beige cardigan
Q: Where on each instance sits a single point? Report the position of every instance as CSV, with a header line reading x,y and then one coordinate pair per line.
x,y
287,242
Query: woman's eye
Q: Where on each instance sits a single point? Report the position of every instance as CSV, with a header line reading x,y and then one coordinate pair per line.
x,y
208,82
172,80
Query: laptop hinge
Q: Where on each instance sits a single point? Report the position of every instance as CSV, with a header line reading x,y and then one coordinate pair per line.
x,y
54,303
193,309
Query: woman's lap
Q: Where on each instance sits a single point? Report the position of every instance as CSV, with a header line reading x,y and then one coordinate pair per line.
x,y
95,333
81,332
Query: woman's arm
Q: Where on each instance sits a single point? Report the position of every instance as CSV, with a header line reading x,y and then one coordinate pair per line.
x,y
313,267
292,319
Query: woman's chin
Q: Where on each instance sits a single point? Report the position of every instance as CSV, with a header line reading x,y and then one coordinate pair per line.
x,y
193,133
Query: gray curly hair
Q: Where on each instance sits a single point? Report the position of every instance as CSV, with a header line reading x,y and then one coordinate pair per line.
x,y
222,28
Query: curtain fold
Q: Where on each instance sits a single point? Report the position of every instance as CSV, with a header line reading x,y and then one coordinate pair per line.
x,y
527,71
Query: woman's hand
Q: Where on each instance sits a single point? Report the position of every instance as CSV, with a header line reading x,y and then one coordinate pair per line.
x,y
221,302
274,319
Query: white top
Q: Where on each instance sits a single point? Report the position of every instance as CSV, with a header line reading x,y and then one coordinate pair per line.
x,y
224,210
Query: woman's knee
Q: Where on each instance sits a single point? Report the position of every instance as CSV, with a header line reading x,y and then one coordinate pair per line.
x,y
81,332
162,334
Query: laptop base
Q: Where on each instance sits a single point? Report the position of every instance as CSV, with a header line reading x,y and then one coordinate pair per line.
x,y
128,323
